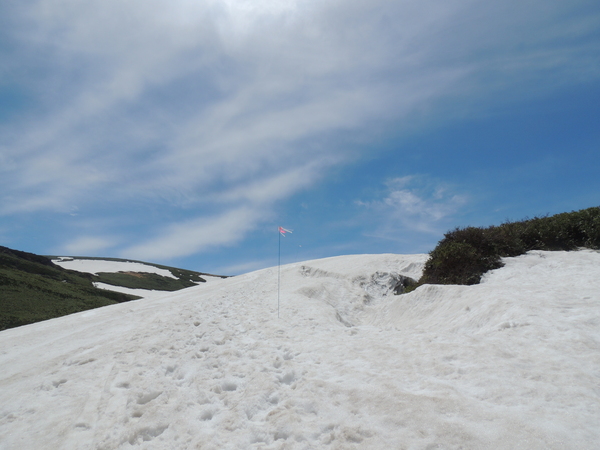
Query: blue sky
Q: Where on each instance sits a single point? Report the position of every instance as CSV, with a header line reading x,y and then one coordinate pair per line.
x,y
185,131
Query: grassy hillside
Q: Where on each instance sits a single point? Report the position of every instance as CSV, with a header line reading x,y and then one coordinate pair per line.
x,y
465,254
32,289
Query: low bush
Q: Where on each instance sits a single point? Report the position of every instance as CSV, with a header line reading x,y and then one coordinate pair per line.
x,y
465,254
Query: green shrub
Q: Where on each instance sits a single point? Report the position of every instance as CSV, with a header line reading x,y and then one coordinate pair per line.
x,y
463,257
465,254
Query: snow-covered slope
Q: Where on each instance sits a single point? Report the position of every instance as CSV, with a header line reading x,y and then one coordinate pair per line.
x,y
512,363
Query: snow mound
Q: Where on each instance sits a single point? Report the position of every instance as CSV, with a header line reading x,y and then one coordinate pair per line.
x,y
510,363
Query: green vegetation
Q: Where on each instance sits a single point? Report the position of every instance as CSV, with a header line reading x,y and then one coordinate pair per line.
x,y
32,289
465,254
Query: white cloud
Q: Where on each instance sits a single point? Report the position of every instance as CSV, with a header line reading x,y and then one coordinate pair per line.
x,y
280,184
193,236
415,204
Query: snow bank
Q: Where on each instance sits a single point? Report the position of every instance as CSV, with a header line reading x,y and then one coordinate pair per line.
x,y
511,363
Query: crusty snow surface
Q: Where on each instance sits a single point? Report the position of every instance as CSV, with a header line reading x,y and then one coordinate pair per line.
x,y
512,363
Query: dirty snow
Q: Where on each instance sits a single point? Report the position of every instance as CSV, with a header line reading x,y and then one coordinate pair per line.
x,y
512,363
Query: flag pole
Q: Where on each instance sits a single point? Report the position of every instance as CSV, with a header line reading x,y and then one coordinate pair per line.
x,y
282,232
278,272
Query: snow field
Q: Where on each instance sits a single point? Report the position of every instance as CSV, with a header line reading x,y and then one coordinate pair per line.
x,y
513,363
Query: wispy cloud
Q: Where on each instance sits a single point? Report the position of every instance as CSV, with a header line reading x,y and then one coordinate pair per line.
x,y
413,204
192,236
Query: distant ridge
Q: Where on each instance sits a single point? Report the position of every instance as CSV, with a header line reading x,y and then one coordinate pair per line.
x,y
33,288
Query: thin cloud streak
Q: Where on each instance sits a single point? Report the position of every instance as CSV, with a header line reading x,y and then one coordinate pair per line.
x,y
194,236
413,203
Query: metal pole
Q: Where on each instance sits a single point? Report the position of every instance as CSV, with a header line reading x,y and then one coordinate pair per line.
x,y
278,273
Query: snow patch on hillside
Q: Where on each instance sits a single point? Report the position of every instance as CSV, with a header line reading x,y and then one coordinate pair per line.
x,y
95,266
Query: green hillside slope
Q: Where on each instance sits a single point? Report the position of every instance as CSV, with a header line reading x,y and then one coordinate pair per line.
x,y
32,289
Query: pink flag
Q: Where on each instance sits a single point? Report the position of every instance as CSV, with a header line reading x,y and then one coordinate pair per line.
x,y
283,231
